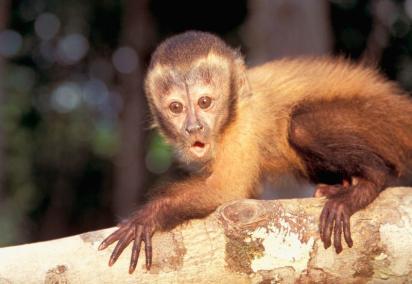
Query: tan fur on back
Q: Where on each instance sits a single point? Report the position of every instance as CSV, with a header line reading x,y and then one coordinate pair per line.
x,y
280,85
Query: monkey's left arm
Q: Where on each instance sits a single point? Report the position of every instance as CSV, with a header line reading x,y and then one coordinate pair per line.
x,y
336,147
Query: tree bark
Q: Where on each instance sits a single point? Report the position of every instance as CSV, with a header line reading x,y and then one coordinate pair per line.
x,y
244,241
129,165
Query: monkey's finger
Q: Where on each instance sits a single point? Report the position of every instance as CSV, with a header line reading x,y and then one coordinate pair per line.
x,y
337,234
346,230
327,231
322,221
138,229
116,235
148,248
121,245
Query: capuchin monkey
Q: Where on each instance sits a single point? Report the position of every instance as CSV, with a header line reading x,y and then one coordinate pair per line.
x,y
337,124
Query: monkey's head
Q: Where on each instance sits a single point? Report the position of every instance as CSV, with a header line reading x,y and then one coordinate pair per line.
x,y
193,84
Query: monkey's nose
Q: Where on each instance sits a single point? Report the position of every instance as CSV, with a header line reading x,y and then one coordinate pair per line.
x,y
194,128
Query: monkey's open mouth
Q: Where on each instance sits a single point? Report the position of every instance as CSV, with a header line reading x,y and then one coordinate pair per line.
x,y
199,148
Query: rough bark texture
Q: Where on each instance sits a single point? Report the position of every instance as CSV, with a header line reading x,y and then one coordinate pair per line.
x,y
245,241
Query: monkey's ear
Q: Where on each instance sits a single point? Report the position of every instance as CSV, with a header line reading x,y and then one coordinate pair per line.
x,y
240,80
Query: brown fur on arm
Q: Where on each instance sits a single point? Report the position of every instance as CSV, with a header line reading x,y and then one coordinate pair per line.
x,y
174,203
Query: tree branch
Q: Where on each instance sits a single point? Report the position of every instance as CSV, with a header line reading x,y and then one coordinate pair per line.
x,y
243,241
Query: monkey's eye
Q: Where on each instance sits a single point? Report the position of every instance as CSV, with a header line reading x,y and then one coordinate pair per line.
x,y
176,107
204,102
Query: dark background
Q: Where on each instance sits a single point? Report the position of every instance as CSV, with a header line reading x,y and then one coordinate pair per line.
x,y
75,150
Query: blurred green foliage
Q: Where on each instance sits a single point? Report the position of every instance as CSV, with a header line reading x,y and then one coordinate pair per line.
x,y
60,146
159,155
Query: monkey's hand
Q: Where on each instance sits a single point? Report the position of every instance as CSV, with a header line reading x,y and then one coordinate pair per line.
x,y
341,205
335,217
135,229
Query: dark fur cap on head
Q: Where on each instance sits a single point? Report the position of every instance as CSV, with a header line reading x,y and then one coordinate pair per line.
x,y
189,46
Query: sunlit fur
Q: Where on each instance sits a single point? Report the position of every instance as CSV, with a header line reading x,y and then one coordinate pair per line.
x,y
281,86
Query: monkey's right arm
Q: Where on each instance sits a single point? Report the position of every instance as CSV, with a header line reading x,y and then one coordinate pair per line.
x,y
172,205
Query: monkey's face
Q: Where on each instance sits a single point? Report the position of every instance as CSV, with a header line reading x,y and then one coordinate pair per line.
x,y
191,105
